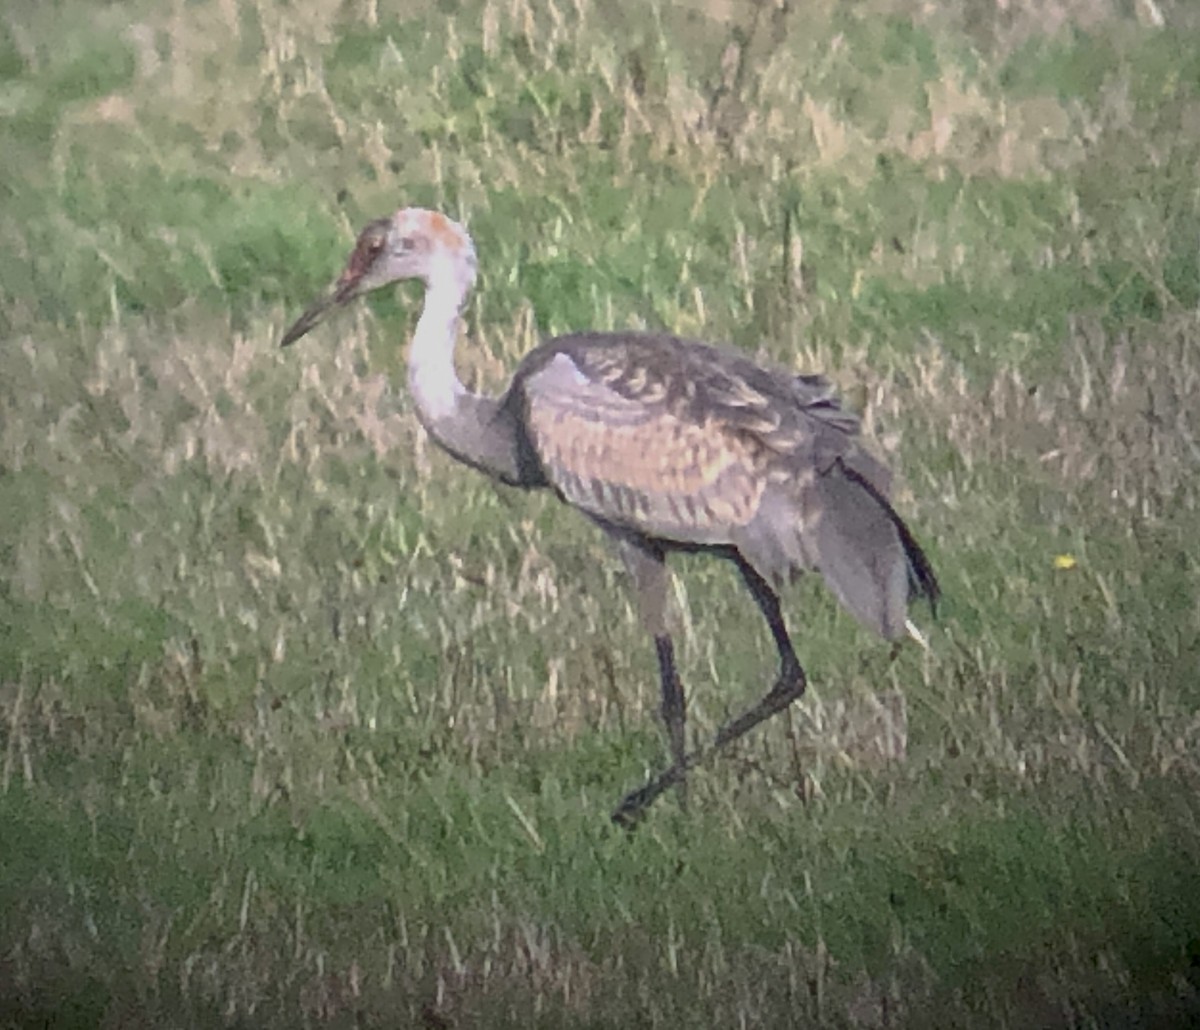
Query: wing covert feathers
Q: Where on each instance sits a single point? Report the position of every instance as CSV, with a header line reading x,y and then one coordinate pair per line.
x,y
695,445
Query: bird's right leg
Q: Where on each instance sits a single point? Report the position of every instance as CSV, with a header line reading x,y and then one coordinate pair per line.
x,y
674,710
648,569
788,687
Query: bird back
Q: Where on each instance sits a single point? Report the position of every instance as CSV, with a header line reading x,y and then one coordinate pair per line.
x,y
695,445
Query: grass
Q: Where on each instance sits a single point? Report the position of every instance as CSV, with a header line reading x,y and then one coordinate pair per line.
x,y
304,725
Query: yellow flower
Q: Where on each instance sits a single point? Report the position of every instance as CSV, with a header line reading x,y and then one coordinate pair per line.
x,y
1065,561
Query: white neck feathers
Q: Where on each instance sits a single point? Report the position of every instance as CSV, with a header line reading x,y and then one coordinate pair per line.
x,y
432,379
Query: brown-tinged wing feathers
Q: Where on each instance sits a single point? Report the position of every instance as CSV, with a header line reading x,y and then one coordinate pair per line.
x,y
698,444
633,458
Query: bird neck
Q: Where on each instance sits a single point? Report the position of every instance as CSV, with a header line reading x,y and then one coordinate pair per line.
x,y
475,429
432,379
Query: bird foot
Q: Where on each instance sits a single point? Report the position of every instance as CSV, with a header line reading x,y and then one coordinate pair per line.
x,y
633,806
788,688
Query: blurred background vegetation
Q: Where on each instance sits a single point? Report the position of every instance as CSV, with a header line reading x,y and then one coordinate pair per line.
x,y
304,725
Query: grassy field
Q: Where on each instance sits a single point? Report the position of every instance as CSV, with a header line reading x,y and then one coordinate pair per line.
x,y
301,724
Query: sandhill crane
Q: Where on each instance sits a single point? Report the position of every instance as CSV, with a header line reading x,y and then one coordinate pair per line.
x,y
667,445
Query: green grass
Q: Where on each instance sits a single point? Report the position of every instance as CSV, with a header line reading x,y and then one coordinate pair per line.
x,y
304,725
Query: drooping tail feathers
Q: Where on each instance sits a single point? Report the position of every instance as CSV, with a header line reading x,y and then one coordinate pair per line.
x,y
839,521
921,580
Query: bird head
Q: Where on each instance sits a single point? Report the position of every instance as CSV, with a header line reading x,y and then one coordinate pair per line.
x,y
412,244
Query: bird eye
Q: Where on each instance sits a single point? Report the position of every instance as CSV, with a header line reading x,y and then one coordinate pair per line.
x,y
406,244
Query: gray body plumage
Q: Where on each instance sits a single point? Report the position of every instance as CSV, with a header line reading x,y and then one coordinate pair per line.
x,y
696,446
668,445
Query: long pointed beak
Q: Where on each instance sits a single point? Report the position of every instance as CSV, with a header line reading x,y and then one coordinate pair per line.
x,y
343,291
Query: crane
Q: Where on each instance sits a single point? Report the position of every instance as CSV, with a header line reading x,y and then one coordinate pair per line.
x,y
668,445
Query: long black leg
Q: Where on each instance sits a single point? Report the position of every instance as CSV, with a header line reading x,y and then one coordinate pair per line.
x,y
674,711
788,687
646,563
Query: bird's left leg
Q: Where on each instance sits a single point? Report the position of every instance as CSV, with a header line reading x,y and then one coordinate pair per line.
x,y
789,686
791,682
647,567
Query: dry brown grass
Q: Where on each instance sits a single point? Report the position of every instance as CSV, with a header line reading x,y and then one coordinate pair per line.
x,y
302,724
